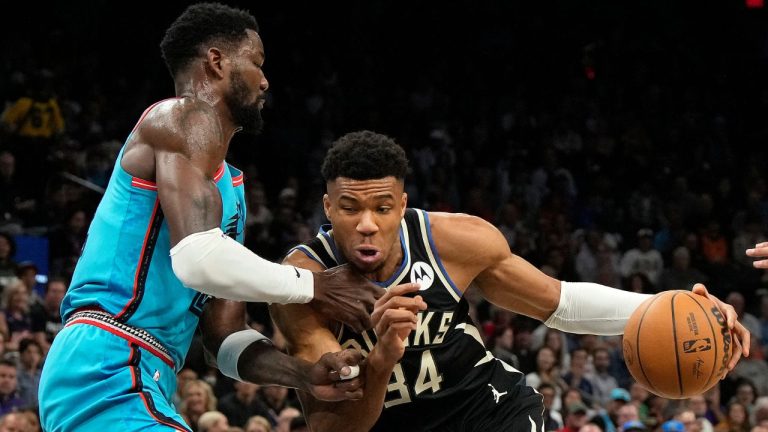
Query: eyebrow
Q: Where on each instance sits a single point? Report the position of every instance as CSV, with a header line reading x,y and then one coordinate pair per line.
x,y
381,195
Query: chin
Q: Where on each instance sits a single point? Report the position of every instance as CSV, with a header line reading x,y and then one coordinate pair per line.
x,y
366,268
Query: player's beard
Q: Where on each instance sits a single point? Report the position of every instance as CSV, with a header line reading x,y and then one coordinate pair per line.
x,y
245,114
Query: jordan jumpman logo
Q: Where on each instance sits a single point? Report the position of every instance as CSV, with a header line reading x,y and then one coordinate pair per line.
x,y
496,394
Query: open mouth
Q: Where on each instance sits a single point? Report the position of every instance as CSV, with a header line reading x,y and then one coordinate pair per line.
x,y
367,254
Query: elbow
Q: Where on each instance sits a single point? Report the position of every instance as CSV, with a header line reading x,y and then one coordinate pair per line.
x,y
192,275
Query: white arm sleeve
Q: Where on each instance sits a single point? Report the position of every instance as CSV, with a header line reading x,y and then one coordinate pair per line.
x,y
214,264
589,308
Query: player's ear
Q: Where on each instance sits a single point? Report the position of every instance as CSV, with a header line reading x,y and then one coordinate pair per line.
x,y
215,62
403,203
327,206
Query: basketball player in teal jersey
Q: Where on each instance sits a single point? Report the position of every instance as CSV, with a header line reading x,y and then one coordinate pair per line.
x,y
427,368
167,235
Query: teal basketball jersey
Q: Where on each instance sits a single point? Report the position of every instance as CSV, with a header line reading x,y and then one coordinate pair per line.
x,y
125,266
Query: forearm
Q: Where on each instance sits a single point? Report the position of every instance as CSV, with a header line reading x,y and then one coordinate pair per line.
x,y
352,416
249,356
214,264
590,308
261,363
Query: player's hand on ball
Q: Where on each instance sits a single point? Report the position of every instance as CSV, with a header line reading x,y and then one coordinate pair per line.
x,y
759,251
394,317
329,380
740,334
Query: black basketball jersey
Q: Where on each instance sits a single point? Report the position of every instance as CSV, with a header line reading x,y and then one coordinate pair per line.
x,y
445,365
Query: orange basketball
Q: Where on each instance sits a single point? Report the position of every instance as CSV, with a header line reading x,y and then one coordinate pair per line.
x,y
677,344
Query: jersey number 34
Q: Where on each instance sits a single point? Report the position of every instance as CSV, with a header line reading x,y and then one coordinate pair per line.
x,y
429,378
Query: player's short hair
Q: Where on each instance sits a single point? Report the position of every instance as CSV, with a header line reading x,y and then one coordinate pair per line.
x,y
201,23
365,155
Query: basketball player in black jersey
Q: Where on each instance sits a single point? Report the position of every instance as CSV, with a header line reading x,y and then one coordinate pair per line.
x,y
428,370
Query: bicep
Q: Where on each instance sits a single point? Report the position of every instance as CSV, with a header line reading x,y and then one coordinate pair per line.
x,y
308,335
190,200
516,285
188,148
513,283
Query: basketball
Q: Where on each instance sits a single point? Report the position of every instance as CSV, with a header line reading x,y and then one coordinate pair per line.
x,y
677,344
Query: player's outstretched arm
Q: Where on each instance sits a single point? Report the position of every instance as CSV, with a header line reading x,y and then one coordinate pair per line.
x,y
511,282
246,355
308,334
476,250
189,146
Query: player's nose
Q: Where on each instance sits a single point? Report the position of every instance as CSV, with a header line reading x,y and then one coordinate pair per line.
x,y
367,224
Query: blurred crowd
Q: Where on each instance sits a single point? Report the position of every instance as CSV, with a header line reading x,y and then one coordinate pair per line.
x,y
602,151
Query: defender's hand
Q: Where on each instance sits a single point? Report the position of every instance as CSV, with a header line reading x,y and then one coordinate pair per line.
x,y
343,294
325,382
740,334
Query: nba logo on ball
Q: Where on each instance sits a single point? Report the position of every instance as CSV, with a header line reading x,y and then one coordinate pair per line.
x,y
422,274
677,344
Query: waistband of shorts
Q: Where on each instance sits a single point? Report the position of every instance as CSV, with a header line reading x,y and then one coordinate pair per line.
x,y
105,321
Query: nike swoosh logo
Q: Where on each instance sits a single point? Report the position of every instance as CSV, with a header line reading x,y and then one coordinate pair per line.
x,y
297,272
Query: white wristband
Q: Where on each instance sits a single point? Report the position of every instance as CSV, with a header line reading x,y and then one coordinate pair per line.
x,y
214,264
590,308
232,348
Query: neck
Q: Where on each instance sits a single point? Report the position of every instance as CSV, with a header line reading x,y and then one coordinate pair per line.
x,y
196,85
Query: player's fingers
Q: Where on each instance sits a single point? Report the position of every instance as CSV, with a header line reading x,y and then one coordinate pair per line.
x,y
398,290
744,337
410,303
337,364
736,355
700,289
386,328
760,249
351,356
397,315
761,264
421,302
400,330
354,395
350,385
392,316
731,317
